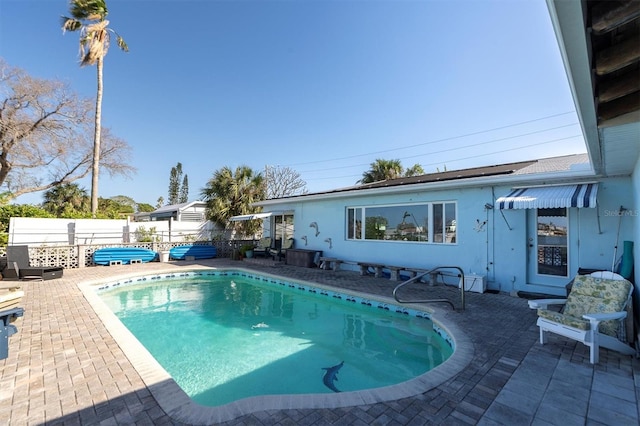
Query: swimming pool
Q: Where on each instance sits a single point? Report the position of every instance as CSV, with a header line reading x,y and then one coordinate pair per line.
x,y
228,335
184,409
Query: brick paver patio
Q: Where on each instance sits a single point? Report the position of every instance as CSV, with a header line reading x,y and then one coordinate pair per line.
x,y
64,367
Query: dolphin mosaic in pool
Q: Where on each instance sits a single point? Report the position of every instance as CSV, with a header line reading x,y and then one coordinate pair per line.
x,y
331,375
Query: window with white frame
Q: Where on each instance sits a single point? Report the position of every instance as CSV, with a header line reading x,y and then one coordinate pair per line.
x,y
429,222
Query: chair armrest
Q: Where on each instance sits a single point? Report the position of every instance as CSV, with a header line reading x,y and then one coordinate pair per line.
x,y
543,303
605,316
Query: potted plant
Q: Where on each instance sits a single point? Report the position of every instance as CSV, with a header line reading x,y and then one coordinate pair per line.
x,y
246,251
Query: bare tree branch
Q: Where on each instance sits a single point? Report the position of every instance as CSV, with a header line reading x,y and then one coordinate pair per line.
x,y
284,182
45,135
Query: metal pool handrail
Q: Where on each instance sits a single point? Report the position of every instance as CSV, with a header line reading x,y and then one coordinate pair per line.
x,y
418,276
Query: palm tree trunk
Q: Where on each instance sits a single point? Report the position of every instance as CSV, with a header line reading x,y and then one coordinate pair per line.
x,y
95,170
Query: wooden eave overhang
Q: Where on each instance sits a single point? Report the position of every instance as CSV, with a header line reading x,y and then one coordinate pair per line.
x,y
614,35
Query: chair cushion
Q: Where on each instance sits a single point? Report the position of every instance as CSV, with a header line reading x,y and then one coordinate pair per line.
x,y
604,288
561,318
590,295
264,243
287,244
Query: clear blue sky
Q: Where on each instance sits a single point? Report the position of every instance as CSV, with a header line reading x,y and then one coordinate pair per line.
x,y
324,87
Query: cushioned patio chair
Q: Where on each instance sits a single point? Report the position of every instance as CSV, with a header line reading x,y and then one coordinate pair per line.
x,y
263,246
594,313
282,251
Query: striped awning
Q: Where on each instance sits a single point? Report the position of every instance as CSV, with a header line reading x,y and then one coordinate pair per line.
x,y
549,197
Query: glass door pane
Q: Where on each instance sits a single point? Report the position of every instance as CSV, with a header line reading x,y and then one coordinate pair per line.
x,y
552,242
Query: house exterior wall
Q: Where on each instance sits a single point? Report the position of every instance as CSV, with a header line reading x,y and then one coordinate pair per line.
x,y
635,185
194,213
188,212
592,238
497,249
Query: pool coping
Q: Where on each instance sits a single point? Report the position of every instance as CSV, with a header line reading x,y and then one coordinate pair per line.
x,y
180,407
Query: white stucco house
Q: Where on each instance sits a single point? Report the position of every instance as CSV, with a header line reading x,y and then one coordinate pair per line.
x,y
527,226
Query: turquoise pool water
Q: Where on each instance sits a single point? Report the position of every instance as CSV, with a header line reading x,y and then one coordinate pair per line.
x,y
228,335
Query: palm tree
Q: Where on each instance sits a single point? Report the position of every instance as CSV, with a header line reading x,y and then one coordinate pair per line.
x,y
415,170
230,193
382,170
66,199
89,17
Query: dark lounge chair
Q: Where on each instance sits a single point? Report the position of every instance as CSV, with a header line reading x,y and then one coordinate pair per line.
x,y
19,266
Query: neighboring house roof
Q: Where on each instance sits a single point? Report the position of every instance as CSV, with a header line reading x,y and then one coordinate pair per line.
x,y
191,211
566,167
179,207
565,163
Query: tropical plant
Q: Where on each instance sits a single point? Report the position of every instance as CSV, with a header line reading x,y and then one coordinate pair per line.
x,y
244,249
89,17
230,193
144,207
128,203
389,169
17,210
415,170
382,170
71,201
111,208
66,199
143,235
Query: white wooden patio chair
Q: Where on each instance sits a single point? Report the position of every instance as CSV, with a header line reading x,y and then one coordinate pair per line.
x,y
594,313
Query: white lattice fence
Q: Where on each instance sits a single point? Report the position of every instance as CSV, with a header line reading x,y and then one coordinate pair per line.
x,y
65,256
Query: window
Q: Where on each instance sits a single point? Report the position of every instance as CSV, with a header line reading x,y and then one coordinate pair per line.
x,y
429,222
282,226
355,224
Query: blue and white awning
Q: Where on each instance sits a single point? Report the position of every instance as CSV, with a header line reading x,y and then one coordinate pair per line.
x,y
550,197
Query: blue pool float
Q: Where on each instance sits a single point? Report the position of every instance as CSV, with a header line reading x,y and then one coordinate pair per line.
x,y
124,255
195,251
